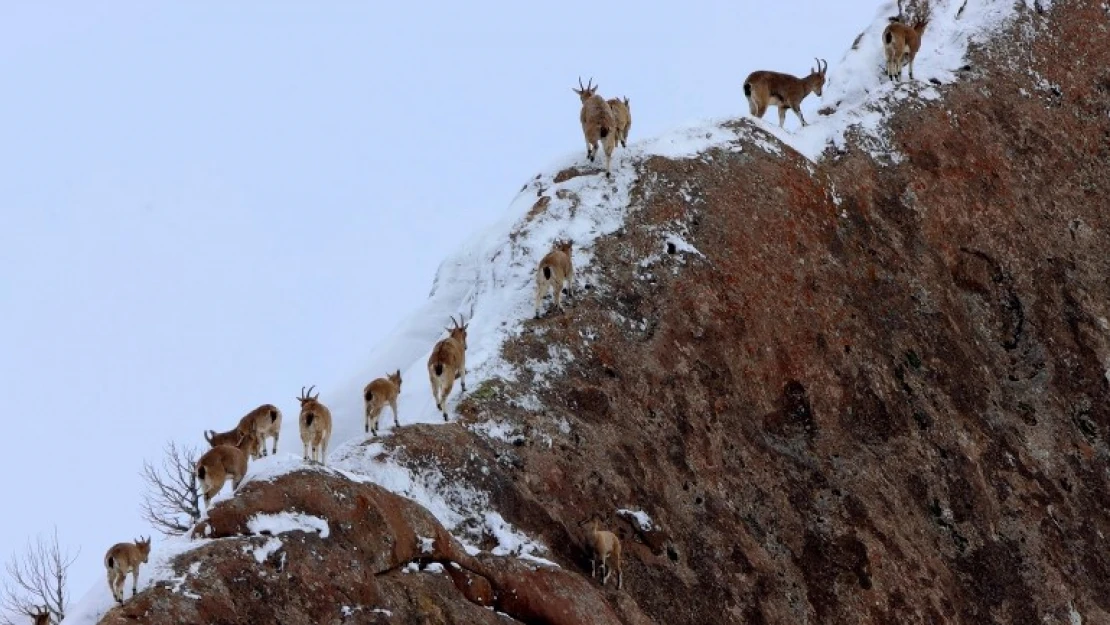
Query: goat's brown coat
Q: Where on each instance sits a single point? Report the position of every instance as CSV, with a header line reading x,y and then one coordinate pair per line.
x,y
315,424
377,394
900,44
446,363
622,113
598,123
124,558
553,273
223,462
765,88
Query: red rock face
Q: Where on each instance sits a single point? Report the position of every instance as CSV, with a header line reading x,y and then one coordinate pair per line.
x,y
360,572
880,397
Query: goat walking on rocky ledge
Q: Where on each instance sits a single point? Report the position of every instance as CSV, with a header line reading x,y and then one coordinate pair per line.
x,y
605,547
448,362
764,88
376,395
315,425
554,273
222,462
598,122
124,558
901,43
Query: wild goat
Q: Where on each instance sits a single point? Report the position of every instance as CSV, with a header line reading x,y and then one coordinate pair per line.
x,y
554,272
448,362
598,122
264,421
622,112
901,43
124,558
604,545
224,461
763,89
377,394
315,426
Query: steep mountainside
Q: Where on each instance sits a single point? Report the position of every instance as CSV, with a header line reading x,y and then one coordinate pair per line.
x,y
871,388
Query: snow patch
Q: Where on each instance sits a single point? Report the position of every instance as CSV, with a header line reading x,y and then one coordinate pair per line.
x,y
274,524
266,549
497,430
1074,617
510,542
643,521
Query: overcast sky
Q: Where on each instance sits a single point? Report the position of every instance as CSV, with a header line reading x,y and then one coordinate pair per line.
x,y
207,205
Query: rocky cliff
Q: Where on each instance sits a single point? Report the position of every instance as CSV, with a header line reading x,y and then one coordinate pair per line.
x,y
868,389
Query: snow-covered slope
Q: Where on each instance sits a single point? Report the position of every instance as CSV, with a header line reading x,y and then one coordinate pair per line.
x,y
858,91
490,280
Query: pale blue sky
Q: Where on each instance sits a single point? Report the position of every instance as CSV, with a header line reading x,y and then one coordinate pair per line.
x,y
207,205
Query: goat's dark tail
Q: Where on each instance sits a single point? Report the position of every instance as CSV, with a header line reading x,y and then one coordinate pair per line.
x,y
439,368
546,272
747,90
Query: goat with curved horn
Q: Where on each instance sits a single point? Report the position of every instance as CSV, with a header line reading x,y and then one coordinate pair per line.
x,y
448,363
900,45
315,424
765,88
598,123
124,558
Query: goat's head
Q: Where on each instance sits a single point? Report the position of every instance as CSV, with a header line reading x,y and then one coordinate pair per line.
x,y
458,330
587,92
249,443
307,398
816,78
396,379
143,545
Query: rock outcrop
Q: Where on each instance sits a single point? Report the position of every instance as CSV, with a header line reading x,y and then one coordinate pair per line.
x,y
871,390
381,559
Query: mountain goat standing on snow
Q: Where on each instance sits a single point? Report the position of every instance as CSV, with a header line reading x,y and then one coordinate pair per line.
x,y
223,462
264,421
901,43
315,426
377,394
622,113
763,89
124,558
447,362
598,122
554,272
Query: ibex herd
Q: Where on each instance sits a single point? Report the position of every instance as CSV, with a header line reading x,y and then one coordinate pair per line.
x,y
603,121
